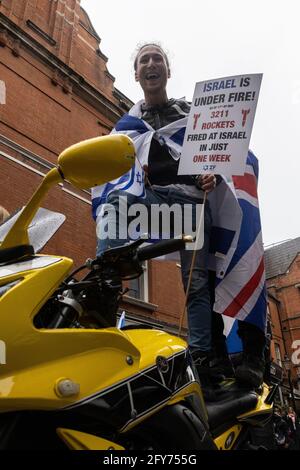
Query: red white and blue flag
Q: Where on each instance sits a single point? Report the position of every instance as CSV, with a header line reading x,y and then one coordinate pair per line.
x,y
241,292
237,248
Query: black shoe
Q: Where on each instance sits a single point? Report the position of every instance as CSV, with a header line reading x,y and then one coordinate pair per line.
x,y
210,374
202,363
222,367
216,368
251,371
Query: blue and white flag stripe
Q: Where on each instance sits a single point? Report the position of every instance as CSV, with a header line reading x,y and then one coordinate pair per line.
x,y
142,134
132,181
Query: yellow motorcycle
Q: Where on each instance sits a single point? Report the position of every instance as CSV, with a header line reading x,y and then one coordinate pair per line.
x,y
69,378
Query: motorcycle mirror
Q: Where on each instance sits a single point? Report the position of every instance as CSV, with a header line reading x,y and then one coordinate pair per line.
x,y
95,161
88,163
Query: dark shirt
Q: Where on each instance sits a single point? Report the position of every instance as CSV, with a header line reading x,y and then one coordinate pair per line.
x,y
162,168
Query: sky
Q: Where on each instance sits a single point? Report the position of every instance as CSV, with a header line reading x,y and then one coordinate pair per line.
x,y
211,39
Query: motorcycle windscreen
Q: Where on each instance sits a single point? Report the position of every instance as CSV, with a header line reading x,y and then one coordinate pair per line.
x,y
42,228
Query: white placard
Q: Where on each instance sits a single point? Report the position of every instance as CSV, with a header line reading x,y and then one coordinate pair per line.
x,y
219,126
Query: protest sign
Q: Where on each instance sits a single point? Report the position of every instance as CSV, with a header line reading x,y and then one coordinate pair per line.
x,y
219,126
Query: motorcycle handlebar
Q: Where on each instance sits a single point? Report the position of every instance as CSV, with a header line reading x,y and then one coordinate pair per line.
x,y
163,248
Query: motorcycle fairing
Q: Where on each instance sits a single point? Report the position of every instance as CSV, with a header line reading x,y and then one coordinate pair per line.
x,y
227,439
77,440
261,414
96,360
35,262
138,395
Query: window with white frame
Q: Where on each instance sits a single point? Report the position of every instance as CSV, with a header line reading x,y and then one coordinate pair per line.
x,y
138,288
278,354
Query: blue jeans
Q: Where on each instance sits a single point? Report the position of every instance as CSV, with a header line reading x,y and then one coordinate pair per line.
x,y
198,305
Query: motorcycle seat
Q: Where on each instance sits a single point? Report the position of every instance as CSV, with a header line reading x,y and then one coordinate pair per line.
x,y
15,253
230,404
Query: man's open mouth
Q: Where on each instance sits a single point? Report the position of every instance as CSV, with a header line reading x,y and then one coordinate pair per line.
x,y
152,76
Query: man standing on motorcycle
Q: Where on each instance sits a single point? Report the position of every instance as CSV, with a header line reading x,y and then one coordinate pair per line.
x,y
152,71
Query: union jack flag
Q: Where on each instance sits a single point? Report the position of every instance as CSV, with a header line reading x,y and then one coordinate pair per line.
x,y
241,293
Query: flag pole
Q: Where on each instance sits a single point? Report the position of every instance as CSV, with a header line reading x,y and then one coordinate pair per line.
x,y
182,316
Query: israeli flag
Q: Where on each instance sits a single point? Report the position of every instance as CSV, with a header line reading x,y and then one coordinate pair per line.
x,y
142,134
122,321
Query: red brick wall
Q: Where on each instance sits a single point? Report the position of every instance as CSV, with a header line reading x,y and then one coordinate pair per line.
x,y
45,113
76,238
39,115
284,287
69,26
277,337
166,290
36,112
44,116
